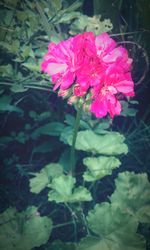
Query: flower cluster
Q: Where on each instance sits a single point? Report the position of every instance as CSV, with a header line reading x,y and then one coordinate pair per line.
x,y
92,68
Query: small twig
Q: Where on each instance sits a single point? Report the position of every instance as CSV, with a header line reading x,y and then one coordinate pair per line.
x,y
7,29
128,33
63,224
145,56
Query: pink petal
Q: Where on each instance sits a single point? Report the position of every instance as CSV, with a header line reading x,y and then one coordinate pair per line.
x,y
104,43
125,87
99,108
79,91
54,68
116,53
114,107
51,46
65,82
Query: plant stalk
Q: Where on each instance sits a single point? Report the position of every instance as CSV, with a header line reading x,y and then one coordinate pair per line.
x,y
75,131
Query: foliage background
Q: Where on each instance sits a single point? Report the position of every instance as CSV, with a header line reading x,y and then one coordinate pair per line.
x,y
32,117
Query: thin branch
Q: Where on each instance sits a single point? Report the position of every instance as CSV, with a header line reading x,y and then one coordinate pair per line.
x,y
45,88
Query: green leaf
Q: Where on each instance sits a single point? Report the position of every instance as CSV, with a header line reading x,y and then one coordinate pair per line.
x,y
22,15
66,135
10,108
86,23
98,167
12,48
79,24
69,119
45,147
98,26
127,110
15,46
6,106
44,177
52,129
68,17
21,137
5,139
63,190
84,125
111,143
132,194
63,160
100,128
104,219
18,88
44,115
33,114
113,229
31,66
5,99
11,4
1,91
58,245
57,5
25,230
40,117
130,242
6,70
6,16
26,52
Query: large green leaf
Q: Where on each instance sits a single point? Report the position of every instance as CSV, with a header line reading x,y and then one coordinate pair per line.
x,y
45,147
114,230
64,190
25,230
52,129
44,177
111,143
98,167
130,242
82,23
132,194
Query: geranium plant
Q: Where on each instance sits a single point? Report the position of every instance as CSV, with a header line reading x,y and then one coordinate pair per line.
x,y
91,72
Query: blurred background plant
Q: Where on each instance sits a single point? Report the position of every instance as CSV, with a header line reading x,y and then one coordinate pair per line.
x,y
32,118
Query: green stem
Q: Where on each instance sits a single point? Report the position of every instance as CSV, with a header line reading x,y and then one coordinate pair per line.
x,y
63,224
75,131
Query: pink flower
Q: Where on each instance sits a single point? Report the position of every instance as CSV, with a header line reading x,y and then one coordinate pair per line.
x,y
109,53
105,95
59,63
106,103
96,66
65,58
